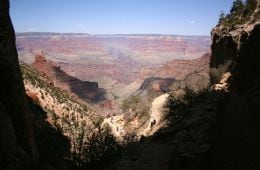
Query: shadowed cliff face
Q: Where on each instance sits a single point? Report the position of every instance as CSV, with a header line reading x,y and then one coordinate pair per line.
x,y
17,149
235,52
238,52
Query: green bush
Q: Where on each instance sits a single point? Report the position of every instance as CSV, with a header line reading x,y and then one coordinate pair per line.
x,y
134,107
240,13
94,151
130,103
177,106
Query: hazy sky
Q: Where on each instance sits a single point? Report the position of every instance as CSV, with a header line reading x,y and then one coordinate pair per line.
x,y
186,17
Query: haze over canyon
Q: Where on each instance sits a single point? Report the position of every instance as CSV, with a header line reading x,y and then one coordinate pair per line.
x,y
77,101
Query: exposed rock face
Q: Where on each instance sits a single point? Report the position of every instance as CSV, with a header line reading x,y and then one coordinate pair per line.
x,y
191,73
85,90
181,146
219,127
111,60
235,68
17,149
157,84
236,49
237,52
157,115
179,69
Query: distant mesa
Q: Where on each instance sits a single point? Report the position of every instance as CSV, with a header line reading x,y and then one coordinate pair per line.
x,y
192,73
179,69
109,58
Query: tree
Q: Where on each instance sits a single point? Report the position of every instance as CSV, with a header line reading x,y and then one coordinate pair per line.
x,y
251,5
222,17
237,7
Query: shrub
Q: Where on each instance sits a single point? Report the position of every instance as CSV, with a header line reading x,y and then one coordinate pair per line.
x,y
134,107
216,73
177,106
95,150
240,13
130,103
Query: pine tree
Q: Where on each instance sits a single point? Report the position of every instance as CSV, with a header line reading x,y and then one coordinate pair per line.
x,y
222,17
251,5
237,7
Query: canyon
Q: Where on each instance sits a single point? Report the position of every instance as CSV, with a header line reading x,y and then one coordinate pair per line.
x,y
110,60
82,101
106,69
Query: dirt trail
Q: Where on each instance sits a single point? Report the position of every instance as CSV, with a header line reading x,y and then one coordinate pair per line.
x,y
237,138
157,115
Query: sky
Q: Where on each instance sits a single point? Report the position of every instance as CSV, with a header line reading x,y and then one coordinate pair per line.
x,y
182,17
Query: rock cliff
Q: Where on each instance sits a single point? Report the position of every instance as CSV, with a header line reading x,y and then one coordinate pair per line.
x,y
235,52
218,129
85,90
235,68
179,69
17,143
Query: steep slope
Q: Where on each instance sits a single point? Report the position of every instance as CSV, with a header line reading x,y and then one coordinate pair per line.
x,y
179,69
53,146
140,116
181,144
75,129
235,52
235,66
178,74
17,142
156,84
156,120
219,128
85,90
62,110
139,125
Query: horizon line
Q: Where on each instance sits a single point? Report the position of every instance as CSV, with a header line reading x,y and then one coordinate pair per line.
x,y
111,34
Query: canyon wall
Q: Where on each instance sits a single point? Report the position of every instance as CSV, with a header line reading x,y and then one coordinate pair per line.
x,y
236,51
17,143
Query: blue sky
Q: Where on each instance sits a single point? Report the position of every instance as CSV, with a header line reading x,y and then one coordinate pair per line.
x,y
184,17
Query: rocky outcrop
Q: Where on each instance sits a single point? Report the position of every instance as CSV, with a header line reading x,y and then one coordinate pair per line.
x,y
17,146
59,109
85,90
156,84
181,145
235,52
179,69
177,74
235,70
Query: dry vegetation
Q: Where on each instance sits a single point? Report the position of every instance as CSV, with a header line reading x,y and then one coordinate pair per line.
x,y
90,144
